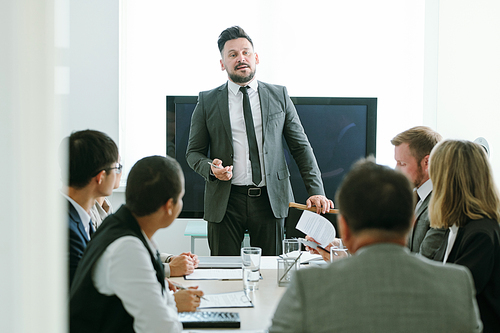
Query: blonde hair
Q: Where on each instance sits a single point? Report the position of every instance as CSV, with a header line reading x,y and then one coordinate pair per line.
x,y
463,185
420,139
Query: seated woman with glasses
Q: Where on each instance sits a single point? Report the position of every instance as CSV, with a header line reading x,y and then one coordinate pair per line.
x,y
466,201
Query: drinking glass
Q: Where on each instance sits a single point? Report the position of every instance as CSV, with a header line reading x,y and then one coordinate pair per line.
x,y
291,247
338,250
250,257
287,266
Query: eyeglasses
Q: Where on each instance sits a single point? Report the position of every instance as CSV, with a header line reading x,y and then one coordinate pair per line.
x,y
117,169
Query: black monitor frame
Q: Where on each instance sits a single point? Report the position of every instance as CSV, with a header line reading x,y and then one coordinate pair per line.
x,y
174,102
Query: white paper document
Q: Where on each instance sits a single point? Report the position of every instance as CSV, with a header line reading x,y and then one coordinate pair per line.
x,y
307,257
317,227
215,274
236,299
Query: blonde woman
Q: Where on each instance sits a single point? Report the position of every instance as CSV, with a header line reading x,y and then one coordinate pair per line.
x,y
466,201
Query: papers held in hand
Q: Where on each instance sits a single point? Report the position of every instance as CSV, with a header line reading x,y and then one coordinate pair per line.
x,y
317,227
311,244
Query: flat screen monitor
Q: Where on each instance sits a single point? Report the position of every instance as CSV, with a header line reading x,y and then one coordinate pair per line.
x,y
340,130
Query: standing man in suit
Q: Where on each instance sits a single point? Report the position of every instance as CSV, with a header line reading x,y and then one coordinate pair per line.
x,y
93,169
242,124
411,152
382,287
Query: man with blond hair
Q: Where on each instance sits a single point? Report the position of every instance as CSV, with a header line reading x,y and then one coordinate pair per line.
x,y
411,152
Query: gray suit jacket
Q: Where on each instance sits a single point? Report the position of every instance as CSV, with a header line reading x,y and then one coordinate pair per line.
x,y
211,132
382,288
422,238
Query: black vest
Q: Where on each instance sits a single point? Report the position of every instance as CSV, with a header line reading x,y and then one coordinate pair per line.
x,y
91,311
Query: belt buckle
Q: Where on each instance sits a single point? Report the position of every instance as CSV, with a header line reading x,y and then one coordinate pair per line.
x,y
254,192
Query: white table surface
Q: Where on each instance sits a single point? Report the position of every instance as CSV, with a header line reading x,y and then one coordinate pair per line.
x,y
265,300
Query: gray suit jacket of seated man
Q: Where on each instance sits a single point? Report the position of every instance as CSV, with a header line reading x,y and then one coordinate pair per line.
x,y
382,288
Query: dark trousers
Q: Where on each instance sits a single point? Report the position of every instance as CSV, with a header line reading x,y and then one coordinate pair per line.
x,y
246,212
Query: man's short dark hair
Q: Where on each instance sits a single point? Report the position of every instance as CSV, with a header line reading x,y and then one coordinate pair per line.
x,y
376,197
152,181
232,33
90,152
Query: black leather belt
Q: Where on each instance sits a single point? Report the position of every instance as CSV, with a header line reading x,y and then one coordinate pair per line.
x,y
251,191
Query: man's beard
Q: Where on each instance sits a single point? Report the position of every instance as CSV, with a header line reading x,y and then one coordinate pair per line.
x,y
420,176
241,79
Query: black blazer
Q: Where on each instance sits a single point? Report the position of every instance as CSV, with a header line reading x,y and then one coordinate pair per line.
x,y
477,247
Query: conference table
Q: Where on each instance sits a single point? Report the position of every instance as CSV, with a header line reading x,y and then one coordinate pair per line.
x,y
265,300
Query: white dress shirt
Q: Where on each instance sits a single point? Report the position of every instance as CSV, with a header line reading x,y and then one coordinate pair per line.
x,y
84,216
452,236
423,192
125,270
98,213
242,167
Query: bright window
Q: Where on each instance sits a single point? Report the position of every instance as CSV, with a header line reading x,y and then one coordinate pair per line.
x,y
359,48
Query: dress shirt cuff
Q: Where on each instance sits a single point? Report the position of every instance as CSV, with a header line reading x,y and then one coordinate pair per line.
x,y
166,257
166,268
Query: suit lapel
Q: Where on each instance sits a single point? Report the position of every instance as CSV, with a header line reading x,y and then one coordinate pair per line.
x,y
423,206
75,217
418,212
264,106
222,101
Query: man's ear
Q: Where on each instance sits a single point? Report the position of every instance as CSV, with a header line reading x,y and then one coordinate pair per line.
x,y
222,68
425,163
100,177
345,232
256,59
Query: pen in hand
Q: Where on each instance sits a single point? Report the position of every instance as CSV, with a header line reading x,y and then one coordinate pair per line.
x,y
178,286
216,166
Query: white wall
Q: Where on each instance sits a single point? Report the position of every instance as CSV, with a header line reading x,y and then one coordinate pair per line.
x,y
468,84
92,58
33,243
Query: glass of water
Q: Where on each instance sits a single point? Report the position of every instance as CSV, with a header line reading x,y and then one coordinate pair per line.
x,y
250,257
338,250
291,247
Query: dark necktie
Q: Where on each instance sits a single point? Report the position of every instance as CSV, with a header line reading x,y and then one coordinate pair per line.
x,y
417,199
252,140
91,228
